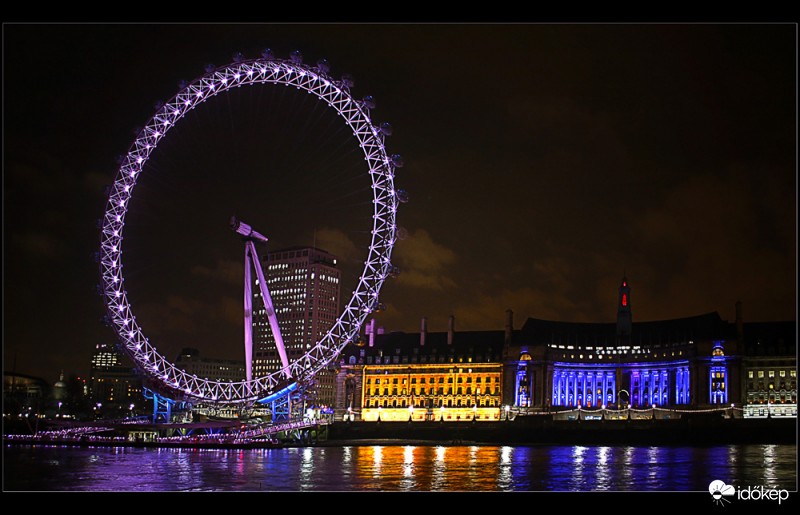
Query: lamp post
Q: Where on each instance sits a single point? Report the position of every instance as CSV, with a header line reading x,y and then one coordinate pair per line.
x,y
59,409
507,408
411,413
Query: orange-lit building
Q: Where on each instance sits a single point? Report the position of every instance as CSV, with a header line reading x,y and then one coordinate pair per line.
x,y
449,376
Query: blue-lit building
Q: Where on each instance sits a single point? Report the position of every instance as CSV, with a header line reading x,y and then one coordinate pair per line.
x,y
693,362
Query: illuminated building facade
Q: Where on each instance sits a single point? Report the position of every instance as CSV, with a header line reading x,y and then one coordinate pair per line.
x,y
304,285
693,363
113,385
442,376
190,361
690,363
770,369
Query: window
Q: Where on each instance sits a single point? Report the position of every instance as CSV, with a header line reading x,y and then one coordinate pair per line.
x,y
760,374
783,373
750,374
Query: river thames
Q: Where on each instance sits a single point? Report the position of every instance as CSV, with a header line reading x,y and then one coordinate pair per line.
x,y
399,468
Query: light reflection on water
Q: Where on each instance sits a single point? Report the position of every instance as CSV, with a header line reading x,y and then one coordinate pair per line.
x,y
399,468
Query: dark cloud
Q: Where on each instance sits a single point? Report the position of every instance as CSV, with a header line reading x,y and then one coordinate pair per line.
x,y
225,270
338,243
424,263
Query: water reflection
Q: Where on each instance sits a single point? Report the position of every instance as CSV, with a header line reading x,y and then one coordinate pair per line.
x,y
399,468
408,482
603,474
504,474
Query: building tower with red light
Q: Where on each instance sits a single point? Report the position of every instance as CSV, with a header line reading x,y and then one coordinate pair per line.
x,y
624,317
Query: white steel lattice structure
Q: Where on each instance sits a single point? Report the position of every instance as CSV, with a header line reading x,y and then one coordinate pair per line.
x,y
176,383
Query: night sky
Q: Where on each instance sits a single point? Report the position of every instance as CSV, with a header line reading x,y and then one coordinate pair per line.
x,y
542,161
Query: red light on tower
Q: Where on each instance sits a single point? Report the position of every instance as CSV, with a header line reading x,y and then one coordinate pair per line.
x,y
624,299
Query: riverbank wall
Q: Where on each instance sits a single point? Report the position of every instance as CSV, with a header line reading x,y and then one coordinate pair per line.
x,y
544,430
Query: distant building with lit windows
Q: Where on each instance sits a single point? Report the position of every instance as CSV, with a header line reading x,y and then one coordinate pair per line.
x,y
304,284
203,367
113,385
770,369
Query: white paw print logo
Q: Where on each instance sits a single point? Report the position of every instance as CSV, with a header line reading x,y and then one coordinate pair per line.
x,y
719,490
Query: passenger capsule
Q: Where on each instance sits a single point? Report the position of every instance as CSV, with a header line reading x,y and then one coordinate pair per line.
x,y
397,160
402,196
386,128
238,57
210,68
369,102
267,54
296,57
348,81
323,66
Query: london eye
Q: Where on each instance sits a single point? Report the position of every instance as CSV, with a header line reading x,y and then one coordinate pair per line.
x,y
370,137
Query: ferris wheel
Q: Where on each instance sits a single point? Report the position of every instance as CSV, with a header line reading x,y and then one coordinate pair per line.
x,y
370,137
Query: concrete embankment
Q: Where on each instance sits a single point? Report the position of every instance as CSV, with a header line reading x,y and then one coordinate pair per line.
x,y
544,430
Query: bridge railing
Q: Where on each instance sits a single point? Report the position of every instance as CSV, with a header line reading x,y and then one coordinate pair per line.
x,y
284,426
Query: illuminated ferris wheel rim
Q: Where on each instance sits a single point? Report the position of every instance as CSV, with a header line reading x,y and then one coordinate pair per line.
x,y
266,70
